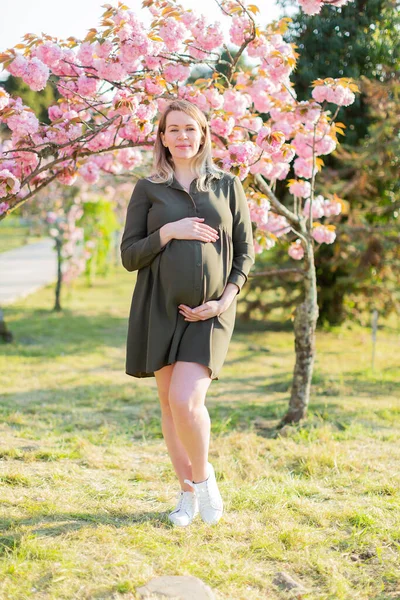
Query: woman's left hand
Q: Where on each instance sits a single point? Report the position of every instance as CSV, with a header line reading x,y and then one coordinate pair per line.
x,y
209,309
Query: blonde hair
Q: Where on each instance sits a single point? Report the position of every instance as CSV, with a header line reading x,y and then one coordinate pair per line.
x,y
202,164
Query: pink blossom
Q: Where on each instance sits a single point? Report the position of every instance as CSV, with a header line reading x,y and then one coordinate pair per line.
x,y
48,53
101,140
130,157
90,172
86,54
242,153
263,166
258,249
18,66
296,250
311,7
236,102
277,225
66,64
104,49
109,70
343,96
174,73
259,212
36,74
252,123
67,176
303,167
24,123
153,86
51,217
87,86
4,98
332,208
146,112
126,103
270,141
317,207
54,112
319,93
173,33
4,206
300,188
9,184
238,30
222,127
324,234
259,47
325,145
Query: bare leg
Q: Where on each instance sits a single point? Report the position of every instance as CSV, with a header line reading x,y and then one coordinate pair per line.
x,y
179,457
187,392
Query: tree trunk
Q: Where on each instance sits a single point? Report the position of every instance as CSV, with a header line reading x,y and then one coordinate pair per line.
x,y
5,334
57,305
305,322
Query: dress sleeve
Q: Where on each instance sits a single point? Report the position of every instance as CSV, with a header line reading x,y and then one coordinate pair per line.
x,y
138,249
242,235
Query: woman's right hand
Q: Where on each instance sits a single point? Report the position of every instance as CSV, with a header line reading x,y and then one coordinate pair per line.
x,y
190,228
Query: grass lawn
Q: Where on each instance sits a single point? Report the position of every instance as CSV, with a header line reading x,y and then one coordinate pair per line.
x,y
13,235
86,482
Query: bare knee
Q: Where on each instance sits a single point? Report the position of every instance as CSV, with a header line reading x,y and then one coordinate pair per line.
x,y
163,379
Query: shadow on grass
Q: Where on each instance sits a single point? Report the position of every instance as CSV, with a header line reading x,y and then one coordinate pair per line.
x,y
62,523
102,412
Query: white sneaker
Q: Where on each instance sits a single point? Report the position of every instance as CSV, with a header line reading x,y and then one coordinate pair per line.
x,y
211,506
186,510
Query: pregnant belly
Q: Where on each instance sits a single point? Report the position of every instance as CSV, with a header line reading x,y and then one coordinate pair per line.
x,y
192,272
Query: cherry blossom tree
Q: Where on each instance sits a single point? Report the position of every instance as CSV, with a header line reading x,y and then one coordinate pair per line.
x,y
115,82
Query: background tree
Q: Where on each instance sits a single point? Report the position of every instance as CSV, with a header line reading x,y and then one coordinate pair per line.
x,y
117,80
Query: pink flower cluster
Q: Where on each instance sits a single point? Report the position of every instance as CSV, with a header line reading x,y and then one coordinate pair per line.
x,y
130,157
322,207
173,73
23,123
303,144
4,206
296,250
313,7
125,102
222,126
277,224
240,29
173,33
333,92
300,188
236,102
240,155
270,141
259,212
9,184
324,233
32,71
4,98
90,172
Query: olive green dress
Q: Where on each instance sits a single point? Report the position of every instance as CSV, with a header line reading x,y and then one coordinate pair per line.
x,y
183,271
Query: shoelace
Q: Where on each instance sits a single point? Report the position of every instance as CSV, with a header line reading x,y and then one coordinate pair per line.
x,y
185,502
203,500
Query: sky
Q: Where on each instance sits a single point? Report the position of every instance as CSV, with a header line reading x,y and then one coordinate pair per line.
x,y
75,17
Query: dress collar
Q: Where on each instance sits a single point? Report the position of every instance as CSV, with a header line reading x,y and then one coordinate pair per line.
x,y
178,186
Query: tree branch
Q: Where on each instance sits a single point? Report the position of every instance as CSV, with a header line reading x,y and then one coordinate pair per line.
x,y
265,189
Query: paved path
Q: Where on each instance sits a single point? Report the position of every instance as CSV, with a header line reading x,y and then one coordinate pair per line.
x,y
27,269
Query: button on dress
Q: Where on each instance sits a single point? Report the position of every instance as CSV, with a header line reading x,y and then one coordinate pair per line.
x,y
190,272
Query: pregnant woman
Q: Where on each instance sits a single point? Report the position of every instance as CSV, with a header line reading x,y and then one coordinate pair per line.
x,y
188,233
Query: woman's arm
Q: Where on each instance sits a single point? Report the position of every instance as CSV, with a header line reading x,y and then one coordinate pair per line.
x,y
137,248
242,236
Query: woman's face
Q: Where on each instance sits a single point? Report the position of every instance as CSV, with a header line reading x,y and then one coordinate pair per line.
x,y
182,136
